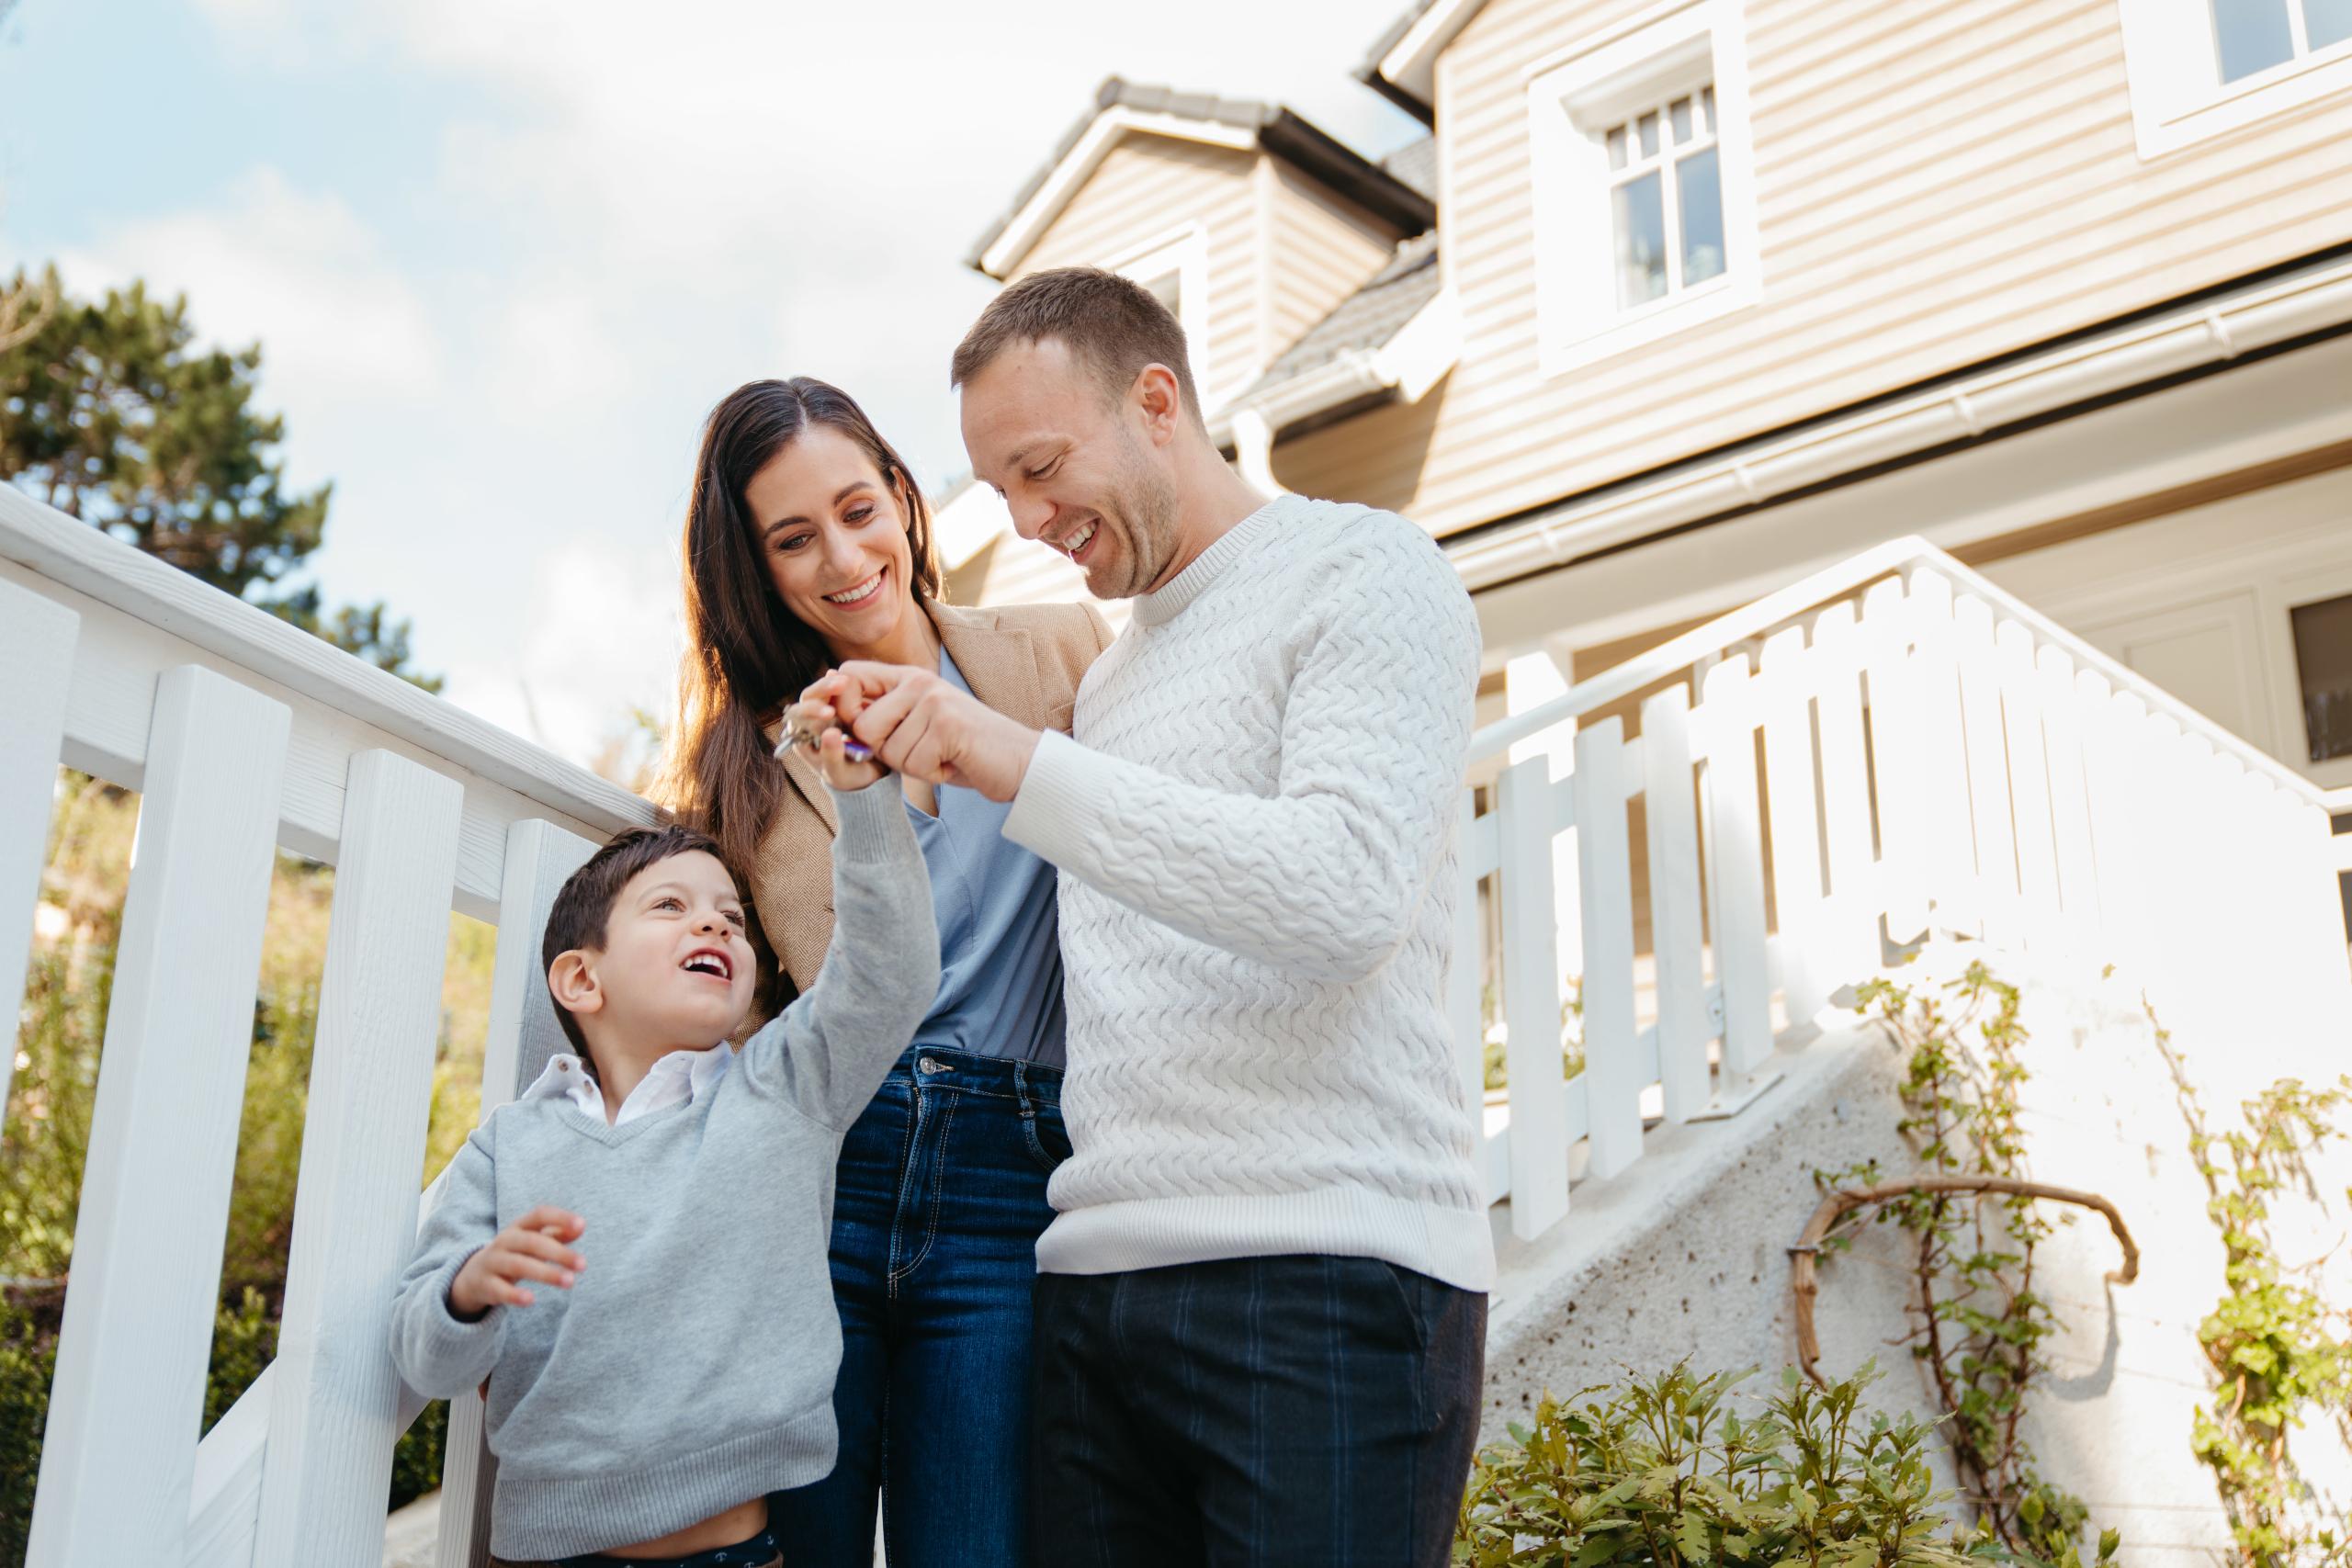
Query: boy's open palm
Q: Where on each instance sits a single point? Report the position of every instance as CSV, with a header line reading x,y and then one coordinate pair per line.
x,y
534,1247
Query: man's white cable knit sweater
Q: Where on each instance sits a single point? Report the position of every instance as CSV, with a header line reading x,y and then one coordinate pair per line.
x,y
1255,832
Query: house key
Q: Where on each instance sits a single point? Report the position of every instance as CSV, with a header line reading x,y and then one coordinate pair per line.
x,y
855,750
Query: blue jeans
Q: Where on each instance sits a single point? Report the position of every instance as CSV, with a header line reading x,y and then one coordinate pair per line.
x,y
940,1194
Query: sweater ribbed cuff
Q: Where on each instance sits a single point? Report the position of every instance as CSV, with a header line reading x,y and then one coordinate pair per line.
x,y
443,1339
1054,813
865,831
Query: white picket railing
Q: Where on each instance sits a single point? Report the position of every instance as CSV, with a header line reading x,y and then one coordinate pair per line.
x,y
244,734
1946,756
1936,757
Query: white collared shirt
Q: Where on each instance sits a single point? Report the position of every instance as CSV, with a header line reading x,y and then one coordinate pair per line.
x,y
684,1076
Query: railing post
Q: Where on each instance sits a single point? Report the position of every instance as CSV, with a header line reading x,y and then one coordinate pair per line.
x,y
2028,777
1539,1153
1948,828
332,1422
1787,700
523,1035
1897,770
1849,934
37,639
128,1390
1996,869
2070,822
1613,1075
1735,870
1670,817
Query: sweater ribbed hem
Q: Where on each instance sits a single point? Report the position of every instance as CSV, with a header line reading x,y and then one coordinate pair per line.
x,y
1451,1244
1053,811
542,1518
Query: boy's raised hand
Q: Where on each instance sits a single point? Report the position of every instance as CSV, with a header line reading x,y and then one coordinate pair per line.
x,y
532,1247
814,714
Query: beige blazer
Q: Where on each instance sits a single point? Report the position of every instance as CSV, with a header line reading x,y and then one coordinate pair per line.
x,y
1024,660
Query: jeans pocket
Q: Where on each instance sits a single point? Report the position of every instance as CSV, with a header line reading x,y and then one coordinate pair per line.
x,y
1412,1295
1042,1132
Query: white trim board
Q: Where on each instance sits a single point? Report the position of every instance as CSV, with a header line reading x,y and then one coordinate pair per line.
x,y
1047,202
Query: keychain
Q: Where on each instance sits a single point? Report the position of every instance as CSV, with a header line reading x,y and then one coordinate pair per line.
x,y
855,750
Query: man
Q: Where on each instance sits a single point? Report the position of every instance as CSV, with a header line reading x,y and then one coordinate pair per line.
x,y
1261,1307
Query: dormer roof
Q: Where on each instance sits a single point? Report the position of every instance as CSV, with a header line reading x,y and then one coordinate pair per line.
x,y
1124,109
1402,66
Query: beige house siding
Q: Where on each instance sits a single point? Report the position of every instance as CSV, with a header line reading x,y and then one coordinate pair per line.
x,y
1146,188
1936,184
1322,249
1375,458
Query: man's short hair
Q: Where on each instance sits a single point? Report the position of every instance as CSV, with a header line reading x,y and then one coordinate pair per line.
x,y
585,907
1113,324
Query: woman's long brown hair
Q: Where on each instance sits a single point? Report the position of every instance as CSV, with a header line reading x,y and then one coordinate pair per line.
x,y
747,655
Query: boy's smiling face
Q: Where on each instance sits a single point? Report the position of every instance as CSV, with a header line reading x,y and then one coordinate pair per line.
x,y
675,967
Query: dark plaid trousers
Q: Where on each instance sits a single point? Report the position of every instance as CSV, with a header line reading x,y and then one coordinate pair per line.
x,y
1252,1412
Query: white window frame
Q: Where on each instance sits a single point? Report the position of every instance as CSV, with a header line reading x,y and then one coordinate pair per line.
x,y
1571,98
1183,251
2178,98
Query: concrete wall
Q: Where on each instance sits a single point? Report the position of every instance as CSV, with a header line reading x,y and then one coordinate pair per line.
x,y
1686,1254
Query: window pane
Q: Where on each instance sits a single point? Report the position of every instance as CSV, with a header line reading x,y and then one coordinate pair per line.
x,y
2327,21
1699,188
1707,102
1641,241
2323,664
1617,147
1678,112
2251,36
1168,288
1647,126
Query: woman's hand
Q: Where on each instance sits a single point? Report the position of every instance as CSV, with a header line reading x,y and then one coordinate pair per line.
x,y
532,1247
814,724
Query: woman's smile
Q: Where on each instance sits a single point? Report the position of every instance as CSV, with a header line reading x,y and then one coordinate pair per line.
x,y
860,593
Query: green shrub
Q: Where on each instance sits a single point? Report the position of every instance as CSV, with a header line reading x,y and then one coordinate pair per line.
x,y
1666,1471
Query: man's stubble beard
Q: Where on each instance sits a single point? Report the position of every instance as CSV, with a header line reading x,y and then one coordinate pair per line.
x,y
1147,512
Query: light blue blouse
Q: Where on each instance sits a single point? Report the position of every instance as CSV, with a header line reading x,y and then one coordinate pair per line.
x,y
1000,936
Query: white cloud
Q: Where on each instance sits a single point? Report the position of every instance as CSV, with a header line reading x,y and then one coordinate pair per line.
x,y
339,323
601,635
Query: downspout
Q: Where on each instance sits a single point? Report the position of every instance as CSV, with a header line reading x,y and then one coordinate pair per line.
x,y
1253,451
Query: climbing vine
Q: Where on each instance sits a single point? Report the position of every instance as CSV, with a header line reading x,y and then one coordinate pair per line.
x,y
1981,1322
2279,1351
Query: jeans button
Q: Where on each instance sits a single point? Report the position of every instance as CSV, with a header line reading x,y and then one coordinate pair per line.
x,y
925,1065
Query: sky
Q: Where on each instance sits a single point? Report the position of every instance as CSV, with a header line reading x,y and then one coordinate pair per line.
x,y
503,255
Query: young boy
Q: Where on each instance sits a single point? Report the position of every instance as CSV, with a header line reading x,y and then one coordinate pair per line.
x,y
679,1199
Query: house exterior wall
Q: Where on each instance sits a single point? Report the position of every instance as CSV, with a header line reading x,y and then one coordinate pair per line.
x,y
1320,250
1146,189
1935,185
1281,252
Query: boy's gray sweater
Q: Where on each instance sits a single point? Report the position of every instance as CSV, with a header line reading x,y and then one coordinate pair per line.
x,y
691,1367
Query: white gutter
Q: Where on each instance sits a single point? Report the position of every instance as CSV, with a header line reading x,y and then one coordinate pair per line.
x,y
2115,362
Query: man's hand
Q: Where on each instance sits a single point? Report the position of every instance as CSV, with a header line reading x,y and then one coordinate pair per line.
x,y
814,718
918,724
532,1247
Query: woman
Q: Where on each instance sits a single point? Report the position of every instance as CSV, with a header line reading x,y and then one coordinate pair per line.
x,y
808,545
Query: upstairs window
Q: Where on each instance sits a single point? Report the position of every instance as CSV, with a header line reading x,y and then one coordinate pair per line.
x,y
2200,68
1645,200
1665,198
1175,268
2252,36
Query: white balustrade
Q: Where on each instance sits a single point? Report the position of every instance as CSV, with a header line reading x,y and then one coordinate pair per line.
x,y
1945,760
